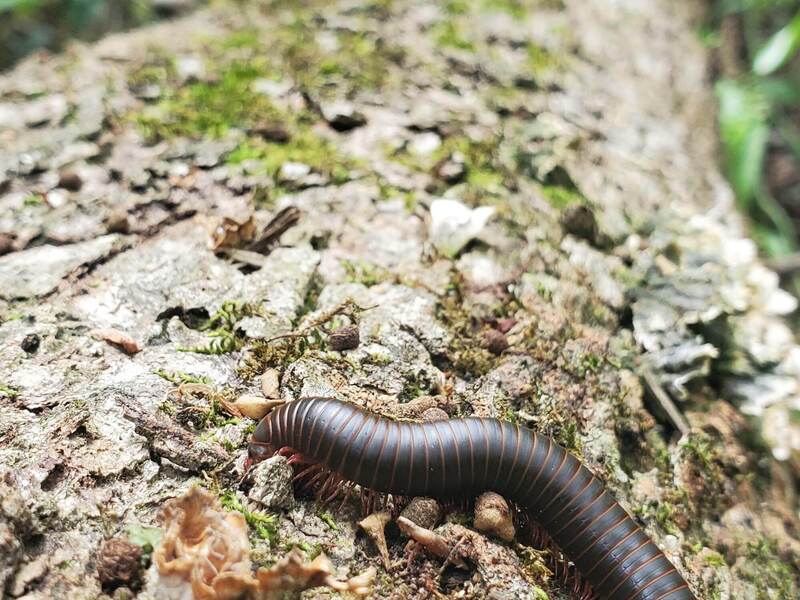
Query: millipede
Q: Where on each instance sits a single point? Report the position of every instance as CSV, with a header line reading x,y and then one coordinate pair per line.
x,y
450,458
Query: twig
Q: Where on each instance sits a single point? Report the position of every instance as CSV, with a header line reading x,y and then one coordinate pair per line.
x,y
664,401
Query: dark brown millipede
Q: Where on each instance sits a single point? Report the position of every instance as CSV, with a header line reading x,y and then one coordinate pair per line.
x,y
457,457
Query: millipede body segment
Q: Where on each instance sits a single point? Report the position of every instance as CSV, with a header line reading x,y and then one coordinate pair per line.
x,y
458,457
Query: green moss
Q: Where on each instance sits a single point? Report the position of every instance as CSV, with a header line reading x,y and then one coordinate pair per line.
x,y
516,8
484,178
772,576
179,377
263,525
388,192
328,519
33,200
534,566
456,7
662,513
560,196
312,551
304,147
540,60
245,38
449,35
221,327
8,391
368,274
357,62
159,70
211,108
465,352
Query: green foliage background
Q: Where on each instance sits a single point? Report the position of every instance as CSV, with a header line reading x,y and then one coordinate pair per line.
x,y
759,112
29,25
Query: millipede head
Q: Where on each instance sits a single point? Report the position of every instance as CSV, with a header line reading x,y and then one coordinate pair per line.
x,y
258,451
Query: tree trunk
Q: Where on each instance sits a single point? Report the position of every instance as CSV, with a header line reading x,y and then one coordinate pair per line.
x,y
517,203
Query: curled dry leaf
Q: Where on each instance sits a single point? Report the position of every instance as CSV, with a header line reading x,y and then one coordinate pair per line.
x,y
230,233
117,338
293,573
432,541
209,550
374,526
205,546
255,407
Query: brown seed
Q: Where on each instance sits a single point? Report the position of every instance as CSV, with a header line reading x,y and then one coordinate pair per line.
x,y
30,343
434,414
344,338
70,180
119,563
425,512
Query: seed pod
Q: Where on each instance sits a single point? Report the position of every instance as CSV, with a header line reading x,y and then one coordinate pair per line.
x,y
118,563
344,338
493,516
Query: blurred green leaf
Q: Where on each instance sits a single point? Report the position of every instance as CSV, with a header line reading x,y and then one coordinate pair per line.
x,y
9,5
772,242
778,49
743,125
779,91
790,134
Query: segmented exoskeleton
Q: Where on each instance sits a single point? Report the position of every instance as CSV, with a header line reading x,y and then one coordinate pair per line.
x,y
456,457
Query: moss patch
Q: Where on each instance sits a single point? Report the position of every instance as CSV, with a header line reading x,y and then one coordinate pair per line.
x,y
211,108
561,196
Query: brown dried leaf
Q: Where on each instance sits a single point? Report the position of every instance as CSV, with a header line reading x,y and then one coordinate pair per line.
x,y
205,546
374,526
117,338
292,573
230,233
255,407
209,549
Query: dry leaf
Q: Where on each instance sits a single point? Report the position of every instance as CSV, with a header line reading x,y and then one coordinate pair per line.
x,y
117,338
255,407
208,548
230,233
374,526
